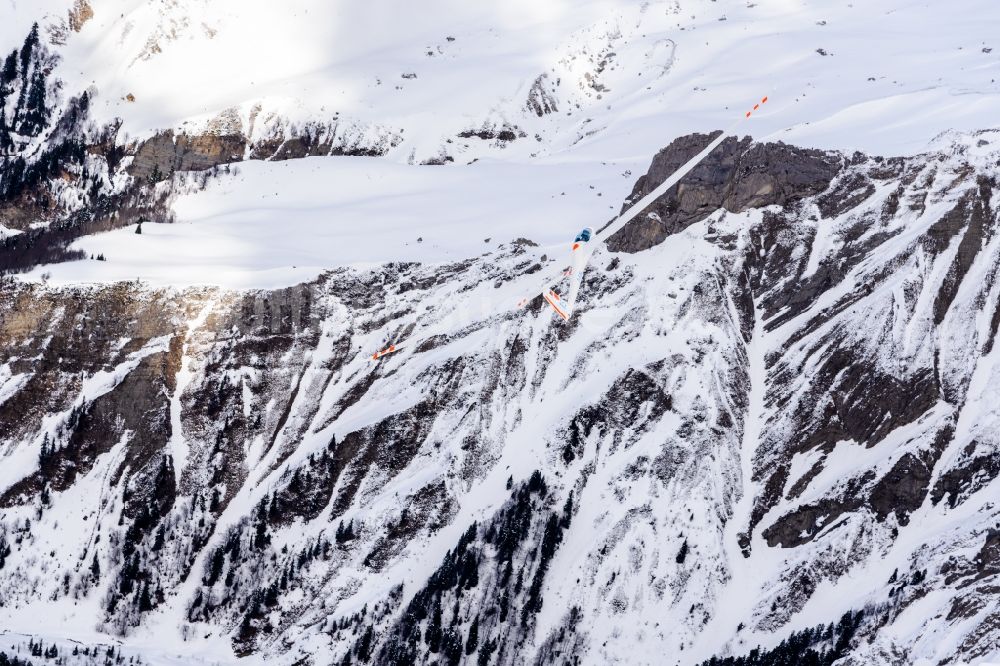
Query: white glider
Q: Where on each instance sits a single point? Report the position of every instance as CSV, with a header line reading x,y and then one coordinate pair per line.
x,y
586,242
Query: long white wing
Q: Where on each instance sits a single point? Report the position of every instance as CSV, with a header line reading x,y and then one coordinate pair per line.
x,y
660,189
636,208
549,281
578,259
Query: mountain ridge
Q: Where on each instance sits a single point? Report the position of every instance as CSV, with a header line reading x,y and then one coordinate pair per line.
x,y
767,435
389,419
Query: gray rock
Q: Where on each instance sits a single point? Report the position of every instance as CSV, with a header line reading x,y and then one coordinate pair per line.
x,y
165,153
737,175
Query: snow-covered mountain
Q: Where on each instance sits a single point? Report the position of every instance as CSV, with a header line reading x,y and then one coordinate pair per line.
x,y
768,435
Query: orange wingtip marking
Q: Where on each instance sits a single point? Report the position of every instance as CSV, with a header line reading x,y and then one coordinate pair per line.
x,y
379,354
576,246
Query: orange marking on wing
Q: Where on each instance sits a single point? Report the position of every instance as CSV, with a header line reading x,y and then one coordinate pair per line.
x,y
756,106
379,354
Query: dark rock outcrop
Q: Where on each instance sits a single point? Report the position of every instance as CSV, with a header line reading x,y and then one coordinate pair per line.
x,y
542,96
971,474
166,153
974,214
737,175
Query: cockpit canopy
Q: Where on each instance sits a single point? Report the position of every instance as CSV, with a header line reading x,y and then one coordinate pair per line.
x,y
584,236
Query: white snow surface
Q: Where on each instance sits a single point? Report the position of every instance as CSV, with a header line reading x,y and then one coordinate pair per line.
x,y
678,67
626,77
268,224
187,60
667,313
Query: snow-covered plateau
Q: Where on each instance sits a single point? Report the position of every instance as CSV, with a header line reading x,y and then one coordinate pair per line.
x,y
768,434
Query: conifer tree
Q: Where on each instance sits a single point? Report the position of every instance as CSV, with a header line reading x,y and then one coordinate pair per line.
x,y
433,635
28,49
9,71
473,642
43,455
682,553
34,114
145,603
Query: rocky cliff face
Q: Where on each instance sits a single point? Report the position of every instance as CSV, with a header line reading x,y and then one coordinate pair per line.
x,y
228,141
738,175
785,386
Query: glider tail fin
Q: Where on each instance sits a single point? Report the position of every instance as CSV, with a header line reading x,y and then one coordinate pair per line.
x,y
563,308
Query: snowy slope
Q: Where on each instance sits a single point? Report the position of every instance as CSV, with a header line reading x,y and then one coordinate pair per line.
x,y
781,413
619,79
273,224
766,421
188,61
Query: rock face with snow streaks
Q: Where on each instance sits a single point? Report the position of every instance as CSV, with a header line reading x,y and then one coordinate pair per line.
x,y
736,176
786,386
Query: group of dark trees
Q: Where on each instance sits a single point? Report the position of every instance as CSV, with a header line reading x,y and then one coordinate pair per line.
x,y
309,488
245,577
40,650
13,661
104,211
103,655
4,550
57,463
135,579
262,601
459,571
43,139
25,114
47,452
19,176
22,74
23,251
433,620
345,534
818,646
